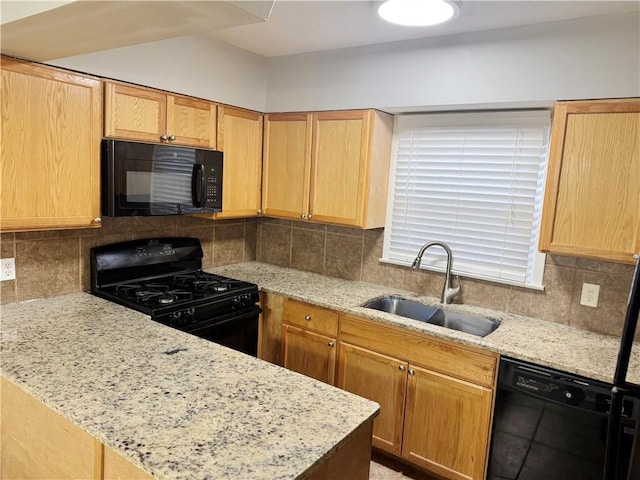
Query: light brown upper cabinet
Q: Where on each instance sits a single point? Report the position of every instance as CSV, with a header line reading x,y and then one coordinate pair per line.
x,y
50,141
329,167
148,115
592,196
240,138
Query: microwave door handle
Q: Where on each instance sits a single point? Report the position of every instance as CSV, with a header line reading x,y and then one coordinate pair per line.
x,y
198,185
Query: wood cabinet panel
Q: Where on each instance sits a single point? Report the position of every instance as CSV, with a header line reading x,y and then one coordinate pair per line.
x,y
50,142
37,443
191,121
287,164
134,113
270,328
592,197
309,317
148,115
309,353
456,360
339,156
448,423
240,138
329,167
379,378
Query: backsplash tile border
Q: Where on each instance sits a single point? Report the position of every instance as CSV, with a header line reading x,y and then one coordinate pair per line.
x,y
338,251
56,262
558,302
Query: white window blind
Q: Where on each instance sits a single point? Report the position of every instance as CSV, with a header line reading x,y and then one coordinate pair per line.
x,y
474,181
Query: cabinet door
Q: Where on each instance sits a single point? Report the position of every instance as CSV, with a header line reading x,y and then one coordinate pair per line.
x,y
447,425
192,122
381,379
50,143
134,113
240,138
309,353
38,443
287,164
338,169
592,199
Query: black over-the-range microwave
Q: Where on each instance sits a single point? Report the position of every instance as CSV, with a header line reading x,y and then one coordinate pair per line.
x,y
159,179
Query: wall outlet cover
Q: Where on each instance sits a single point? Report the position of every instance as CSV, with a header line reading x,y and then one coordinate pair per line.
x,y
590,293
7,269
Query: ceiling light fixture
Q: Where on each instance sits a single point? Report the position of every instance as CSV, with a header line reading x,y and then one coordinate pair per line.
x,y
418,13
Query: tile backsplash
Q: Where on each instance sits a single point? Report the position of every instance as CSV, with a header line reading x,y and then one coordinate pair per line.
x,y
354,254
56,262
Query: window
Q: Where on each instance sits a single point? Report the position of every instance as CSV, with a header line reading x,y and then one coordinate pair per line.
x,y
474,181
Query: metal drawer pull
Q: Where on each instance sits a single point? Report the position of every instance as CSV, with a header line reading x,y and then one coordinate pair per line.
x,y
307,317
401,367
331,344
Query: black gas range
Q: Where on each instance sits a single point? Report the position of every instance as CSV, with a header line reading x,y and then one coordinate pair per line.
x,y
163,278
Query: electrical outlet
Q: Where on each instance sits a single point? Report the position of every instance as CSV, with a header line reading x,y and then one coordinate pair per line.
x,y
589,295
7,269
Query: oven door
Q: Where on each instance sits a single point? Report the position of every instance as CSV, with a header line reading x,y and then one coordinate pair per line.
x,y
238,330
149,179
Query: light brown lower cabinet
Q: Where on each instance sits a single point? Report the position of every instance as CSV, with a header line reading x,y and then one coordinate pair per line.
x,y
309,353
38,443
447,424
309,344
382,379
436,398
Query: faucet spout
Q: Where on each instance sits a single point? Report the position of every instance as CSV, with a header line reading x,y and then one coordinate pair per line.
x,y
448,292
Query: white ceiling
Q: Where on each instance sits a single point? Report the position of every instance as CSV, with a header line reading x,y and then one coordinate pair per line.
x,y
269,28
308,26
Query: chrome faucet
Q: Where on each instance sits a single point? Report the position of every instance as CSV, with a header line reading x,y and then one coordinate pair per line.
x,y
447,291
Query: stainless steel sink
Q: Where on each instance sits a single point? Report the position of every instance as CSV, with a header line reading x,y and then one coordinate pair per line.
x,y
403,307
479,326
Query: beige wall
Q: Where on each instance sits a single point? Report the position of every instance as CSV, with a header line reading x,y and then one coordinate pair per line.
x,y
56,262
353,254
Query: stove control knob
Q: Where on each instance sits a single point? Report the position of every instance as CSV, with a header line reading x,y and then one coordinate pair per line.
x,y
187,316
236,302
573,396
174,319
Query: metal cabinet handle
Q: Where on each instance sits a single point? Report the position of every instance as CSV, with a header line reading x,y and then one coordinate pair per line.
x,y
331,344
307,318
310,217
402,368
411,372
164,137
303,216
172,138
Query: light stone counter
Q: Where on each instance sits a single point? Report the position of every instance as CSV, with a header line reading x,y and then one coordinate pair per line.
x,y
546,343
174,405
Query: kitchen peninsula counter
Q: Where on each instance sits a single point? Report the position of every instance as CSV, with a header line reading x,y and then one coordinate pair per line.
x,y
542,342
174,405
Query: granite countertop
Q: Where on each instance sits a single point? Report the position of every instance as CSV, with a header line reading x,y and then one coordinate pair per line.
x,y
542,342
177,406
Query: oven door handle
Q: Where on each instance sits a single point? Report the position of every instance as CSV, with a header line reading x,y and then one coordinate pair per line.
x,y
198,185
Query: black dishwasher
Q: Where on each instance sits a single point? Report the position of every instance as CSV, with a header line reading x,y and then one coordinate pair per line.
x,y
552,425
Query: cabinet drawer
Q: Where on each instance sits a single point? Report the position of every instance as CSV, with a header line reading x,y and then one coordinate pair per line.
x,y
310,317
438,355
